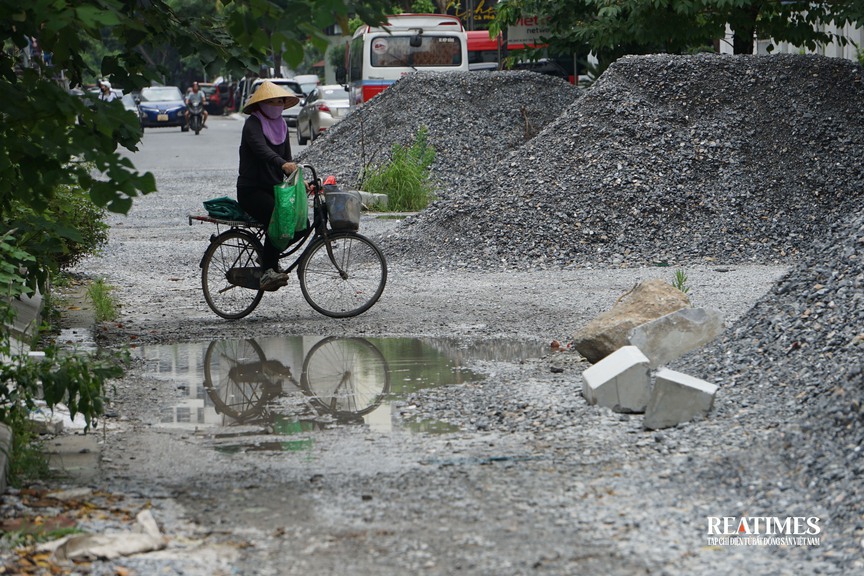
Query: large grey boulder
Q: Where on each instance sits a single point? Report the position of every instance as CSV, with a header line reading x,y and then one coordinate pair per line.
x,y
610,330
671,336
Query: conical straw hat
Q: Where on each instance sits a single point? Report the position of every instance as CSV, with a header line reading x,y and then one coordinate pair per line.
x,y
267,91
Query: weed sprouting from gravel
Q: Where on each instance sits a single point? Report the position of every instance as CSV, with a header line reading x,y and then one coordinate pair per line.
x,y
680,281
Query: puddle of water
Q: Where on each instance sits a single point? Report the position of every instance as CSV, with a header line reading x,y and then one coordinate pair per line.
x,y
294,386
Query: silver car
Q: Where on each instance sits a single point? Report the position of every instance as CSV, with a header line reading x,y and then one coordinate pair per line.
x,y
323,108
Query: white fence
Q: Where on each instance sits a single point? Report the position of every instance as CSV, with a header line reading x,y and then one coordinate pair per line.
x,y
854,35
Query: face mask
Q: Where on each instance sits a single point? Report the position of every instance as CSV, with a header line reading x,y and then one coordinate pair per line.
x,y
272,111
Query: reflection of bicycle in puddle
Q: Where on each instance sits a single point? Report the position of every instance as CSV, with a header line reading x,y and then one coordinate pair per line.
x,y
342,379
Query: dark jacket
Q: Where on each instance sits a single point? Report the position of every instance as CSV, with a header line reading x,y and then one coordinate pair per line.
x,y
260,162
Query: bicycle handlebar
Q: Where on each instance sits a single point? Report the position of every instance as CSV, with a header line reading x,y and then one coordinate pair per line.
x,y
316,185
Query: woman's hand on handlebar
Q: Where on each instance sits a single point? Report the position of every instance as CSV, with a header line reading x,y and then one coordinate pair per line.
x,y
289,167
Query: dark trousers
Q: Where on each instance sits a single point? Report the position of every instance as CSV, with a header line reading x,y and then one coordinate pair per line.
x,y
258,203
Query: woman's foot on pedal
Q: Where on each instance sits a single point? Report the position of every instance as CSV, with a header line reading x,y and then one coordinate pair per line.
x,y
272,280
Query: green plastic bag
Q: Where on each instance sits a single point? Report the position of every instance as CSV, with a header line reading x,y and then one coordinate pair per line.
x,y
225,208
290,209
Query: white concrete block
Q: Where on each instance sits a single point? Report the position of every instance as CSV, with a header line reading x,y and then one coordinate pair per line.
x,y
677,398
619,381
28,316
370,200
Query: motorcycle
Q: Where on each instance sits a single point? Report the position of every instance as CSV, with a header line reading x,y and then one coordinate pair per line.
x,y
196,116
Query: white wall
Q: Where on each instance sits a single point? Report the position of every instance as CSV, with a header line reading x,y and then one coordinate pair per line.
x,y
834,49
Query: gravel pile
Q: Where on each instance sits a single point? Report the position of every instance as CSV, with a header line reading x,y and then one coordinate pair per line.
x,y
473,119
708,158
797,358
675,159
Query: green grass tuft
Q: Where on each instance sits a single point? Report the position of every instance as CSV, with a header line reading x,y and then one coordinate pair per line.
x,y
405,179
680,281
103,302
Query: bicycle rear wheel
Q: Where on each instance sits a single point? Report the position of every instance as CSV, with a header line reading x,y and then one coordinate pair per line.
x,y
354,290
230,272
234,380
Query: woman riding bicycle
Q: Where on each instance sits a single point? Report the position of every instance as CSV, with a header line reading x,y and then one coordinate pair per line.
x,y
265,158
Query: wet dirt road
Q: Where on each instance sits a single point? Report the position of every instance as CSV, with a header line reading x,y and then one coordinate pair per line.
x,y
514,475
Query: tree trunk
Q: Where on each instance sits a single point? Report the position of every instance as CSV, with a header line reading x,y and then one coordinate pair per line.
x,y
744,30
742,41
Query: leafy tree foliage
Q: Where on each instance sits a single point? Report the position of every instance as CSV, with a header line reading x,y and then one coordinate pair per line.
x,y
615,27
50,138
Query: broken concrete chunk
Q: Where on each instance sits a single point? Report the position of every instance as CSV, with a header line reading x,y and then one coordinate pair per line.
x,y
619,381
677,398
88,547
609,331
671,336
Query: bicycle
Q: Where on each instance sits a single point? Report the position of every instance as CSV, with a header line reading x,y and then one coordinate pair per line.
x,y
344,378
341,272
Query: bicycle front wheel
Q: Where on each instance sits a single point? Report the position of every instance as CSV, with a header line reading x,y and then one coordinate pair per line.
x,y
347,377
230,272
347,284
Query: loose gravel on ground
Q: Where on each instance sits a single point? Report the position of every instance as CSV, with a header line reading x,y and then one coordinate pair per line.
x,y
686,160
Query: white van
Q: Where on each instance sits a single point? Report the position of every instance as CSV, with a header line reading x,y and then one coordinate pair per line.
x,y
377,57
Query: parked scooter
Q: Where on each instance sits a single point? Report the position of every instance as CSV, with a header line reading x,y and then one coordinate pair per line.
x,y
196,116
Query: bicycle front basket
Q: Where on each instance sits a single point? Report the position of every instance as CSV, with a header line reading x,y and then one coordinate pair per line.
x,y
343,208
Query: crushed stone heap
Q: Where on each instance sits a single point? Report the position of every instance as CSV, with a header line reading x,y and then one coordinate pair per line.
x,y
798,358
666,159
473,119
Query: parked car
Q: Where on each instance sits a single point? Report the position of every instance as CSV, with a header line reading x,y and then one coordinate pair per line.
x,y
225,95
162,106
209,91
95,92
130,103
308,82
323,108
217,96
548,66
91,96
290,114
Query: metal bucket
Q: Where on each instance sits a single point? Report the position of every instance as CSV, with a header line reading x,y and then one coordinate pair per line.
x,y
343,208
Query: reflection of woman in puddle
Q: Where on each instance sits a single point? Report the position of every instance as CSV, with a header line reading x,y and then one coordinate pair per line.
x,y
277,373
343,377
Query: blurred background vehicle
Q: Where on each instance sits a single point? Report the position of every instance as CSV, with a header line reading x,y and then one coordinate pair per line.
x,y
94,91
323,108
161,106
290,114
308,82
130,103
217,94
90,95
548,66
210,96
225,97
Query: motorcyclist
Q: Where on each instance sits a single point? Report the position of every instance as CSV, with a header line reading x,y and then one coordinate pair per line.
x,y
196,96
105,92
